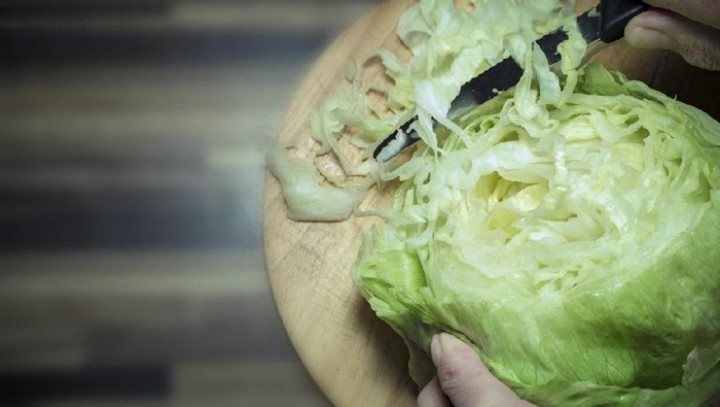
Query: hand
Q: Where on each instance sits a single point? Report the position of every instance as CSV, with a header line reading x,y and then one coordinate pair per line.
x,y
690,28
462,380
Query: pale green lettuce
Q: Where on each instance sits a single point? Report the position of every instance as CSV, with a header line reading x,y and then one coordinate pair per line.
x,y
573,242
568,229
448,47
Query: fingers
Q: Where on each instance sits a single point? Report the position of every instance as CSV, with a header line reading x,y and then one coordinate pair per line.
x,y
698,44
465,380
703,11
432,395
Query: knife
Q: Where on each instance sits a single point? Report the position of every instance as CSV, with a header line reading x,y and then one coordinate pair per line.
x,y
601,25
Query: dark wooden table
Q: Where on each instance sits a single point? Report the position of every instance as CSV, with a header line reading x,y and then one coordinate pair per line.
x,y
132,139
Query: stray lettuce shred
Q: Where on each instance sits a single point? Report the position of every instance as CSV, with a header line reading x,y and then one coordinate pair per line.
x,y
308,196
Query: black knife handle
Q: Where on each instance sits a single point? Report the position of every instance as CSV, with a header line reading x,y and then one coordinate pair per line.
x,y
614,16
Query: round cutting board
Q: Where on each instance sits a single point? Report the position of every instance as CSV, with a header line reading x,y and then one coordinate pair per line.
x,y
354,357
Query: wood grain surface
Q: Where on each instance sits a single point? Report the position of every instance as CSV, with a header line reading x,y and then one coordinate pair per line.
x,y
132,140
356,359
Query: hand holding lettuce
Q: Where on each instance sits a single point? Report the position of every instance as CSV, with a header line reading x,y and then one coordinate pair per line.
x,y
567,231
462,379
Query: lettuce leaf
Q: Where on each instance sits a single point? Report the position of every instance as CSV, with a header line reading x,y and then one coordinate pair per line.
x,y
573,243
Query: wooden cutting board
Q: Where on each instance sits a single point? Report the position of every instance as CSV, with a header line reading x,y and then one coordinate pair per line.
x,y
355,358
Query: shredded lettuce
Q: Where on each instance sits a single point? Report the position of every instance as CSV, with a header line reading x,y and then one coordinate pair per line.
x,y
449,45
566,229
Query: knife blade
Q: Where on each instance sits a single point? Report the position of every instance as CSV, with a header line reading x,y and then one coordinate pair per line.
x,y
600,26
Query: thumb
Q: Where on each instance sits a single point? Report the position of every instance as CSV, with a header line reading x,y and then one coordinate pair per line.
x,y
698,44
464,378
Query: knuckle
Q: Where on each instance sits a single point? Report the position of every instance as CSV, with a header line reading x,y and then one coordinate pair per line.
x,y
460,383
702,54
450,376
707,6
700,10
685,7
456,381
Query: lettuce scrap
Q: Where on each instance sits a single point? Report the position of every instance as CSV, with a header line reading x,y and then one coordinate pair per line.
x,y
307,196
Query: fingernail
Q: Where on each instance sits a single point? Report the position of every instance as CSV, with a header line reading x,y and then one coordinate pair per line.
x,y
436,347
444,345
642,37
